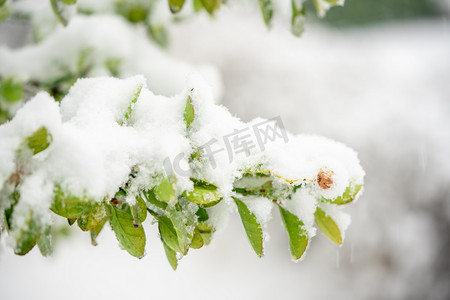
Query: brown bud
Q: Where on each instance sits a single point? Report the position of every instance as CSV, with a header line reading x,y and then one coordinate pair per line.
x,y
14,179
115,201
324,179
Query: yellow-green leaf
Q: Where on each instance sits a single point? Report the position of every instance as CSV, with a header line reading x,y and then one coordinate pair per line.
x,y
39,140
95,216
96,231
45,243
298,236
69,2
197,240
188,112
252,227
139,211
176,5
131,238
69,206
11,90
328,226
27,236
298,17
267,11
206,232
349,195
171,256
164,190
133,100
169,234
210,5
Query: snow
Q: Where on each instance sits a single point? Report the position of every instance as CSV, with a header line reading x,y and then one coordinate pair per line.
x,y
102,38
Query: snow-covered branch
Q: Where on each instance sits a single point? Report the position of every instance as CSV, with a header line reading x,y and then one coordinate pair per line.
x,y
112,152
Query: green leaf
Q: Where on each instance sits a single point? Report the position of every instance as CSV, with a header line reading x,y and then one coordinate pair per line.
x,y
188,112
45,243
197,240
197,5
113,65
149,195
175,5
14,198
252,227
136,14
2,2
210,5
95,216
71,221
171,256
69,2
169,234
4,12
69,206
298,17
139,211
180,222
132,102
57,11
39,140
96,231
267,11
11,90
27,236
328,227
131,238
202,214
164,191
298,236
349,195
206,232
204,193
159,35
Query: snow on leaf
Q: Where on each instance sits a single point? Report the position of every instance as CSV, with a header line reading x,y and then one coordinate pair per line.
x,y
164,191
69,206
45,242
139,211
204,193
349,195
27,236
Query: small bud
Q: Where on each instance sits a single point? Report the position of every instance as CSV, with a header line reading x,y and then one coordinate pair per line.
x,y
324,179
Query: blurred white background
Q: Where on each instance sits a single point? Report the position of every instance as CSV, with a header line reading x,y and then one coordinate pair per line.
x,y
383,88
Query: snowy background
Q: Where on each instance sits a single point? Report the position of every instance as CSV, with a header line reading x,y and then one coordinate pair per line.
x,y
382,89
